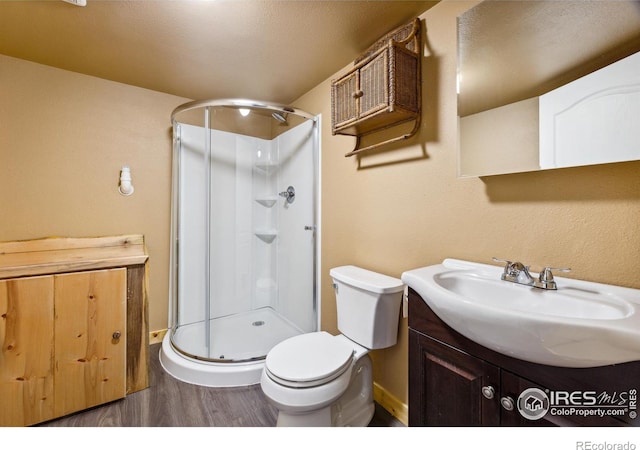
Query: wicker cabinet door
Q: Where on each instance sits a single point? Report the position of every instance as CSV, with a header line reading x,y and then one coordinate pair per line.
x,y
374,85
346,99
26,350
90,328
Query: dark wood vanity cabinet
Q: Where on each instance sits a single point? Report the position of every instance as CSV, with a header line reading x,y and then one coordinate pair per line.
x,y
449,385
455,382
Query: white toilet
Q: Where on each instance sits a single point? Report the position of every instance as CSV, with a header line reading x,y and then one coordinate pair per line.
x,y
317,379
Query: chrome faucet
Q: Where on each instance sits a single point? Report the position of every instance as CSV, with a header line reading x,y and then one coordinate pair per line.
x,y
516,272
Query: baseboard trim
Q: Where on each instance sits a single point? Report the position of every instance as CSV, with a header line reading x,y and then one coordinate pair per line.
x,y
156,337
391,403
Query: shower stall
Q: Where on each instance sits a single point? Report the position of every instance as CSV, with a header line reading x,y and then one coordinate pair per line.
x,y
244,238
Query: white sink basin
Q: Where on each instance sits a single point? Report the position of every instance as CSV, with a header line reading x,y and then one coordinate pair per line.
x,y
582,324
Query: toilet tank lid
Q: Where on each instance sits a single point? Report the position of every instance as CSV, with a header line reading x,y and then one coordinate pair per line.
x,y
366,279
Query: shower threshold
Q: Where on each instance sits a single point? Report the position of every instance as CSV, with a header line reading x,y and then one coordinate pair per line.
x,y
237,347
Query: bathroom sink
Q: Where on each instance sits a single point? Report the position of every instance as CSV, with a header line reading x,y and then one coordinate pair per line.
x,y
581,324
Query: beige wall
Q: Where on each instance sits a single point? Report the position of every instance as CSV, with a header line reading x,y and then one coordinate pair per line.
x,y
63,139
408,209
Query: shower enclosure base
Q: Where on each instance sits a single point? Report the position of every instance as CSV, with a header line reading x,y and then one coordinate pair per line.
x,y
233,338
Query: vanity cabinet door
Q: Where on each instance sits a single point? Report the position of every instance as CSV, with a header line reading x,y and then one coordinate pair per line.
x,y
512,387
90,344
26,350
450,388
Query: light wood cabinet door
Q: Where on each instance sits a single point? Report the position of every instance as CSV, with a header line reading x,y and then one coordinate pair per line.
x,y
90,344
26,351
73,325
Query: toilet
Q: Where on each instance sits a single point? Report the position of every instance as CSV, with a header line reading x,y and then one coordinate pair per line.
x,y
317,379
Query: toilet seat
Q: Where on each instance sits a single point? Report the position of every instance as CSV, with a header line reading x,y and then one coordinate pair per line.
x,y
309,360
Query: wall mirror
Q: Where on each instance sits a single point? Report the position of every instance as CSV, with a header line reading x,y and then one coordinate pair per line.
x,y
515,58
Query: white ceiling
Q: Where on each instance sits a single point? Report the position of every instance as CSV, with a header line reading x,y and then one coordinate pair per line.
x,y
271,50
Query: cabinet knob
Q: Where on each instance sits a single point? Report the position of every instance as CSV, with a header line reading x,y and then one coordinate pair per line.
x,y
358,94
116,335
507,403
488,392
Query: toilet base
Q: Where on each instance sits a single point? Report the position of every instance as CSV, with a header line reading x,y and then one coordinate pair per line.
x,y
317,418
354,408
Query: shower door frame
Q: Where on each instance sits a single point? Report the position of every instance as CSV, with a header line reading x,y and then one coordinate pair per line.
x,y
175,219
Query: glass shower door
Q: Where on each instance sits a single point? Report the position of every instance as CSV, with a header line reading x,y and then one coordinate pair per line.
x,y
245,254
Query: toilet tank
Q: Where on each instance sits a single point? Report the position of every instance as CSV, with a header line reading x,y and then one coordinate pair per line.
x,y
368,306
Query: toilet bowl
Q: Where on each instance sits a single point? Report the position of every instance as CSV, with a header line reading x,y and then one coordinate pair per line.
x,y
305,376
317,379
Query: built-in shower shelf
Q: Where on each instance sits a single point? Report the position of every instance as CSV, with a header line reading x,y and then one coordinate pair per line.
x,y
267,202
267,236
268,167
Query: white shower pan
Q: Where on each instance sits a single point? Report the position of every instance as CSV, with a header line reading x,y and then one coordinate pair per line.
x,y
241,335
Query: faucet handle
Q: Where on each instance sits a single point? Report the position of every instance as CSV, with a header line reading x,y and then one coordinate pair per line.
x,y
545,279
515,271
512,267
547,275
507,265
506,262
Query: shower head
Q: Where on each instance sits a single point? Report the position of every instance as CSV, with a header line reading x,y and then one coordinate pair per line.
x,y
280,117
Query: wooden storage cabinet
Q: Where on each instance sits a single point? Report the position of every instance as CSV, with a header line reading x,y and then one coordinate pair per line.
x,y
454,381
64,336
59,354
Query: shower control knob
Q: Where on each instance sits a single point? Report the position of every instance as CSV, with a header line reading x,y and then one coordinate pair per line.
x,y
289,194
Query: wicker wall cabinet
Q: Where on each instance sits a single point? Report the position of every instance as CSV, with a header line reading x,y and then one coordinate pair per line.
x,y
381,90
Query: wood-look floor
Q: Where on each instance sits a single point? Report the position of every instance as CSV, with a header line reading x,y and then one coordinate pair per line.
x,y
172,403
